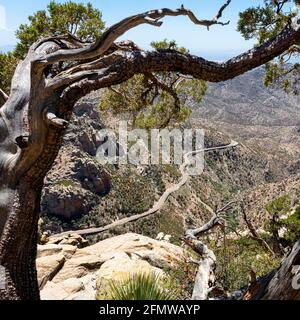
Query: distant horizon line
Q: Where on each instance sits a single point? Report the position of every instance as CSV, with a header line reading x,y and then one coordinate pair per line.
x,y
211,54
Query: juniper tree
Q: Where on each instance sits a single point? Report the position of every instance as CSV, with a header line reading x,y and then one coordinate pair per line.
x,y
263,23
56,72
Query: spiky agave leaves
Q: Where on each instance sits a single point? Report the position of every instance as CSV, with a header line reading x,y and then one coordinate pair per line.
x,y
143,286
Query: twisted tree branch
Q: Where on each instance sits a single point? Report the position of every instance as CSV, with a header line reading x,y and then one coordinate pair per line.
x,y
113,33
129,63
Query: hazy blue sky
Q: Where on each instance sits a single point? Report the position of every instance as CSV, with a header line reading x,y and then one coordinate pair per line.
x,y
218,43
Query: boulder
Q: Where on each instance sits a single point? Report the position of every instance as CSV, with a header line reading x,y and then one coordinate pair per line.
x,y
78,267
67,200
70,289
72,239
120,268
50,249
160,254
48,267
67,272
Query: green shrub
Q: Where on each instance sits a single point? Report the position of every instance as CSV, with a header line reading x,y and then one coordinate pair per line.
x,y
139,287
232,220
280,206
292,224
182,276
237,258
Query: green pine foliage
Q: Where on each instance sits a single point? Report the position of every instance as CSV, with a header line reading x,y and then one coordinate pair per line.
x,y
264,22
149,105
83,21
279,206
292,224
8,63
287,220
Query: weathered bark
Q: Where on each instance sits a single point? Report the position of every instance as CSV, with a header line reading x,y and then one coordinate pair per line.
x,y
28,147
34,118
205,275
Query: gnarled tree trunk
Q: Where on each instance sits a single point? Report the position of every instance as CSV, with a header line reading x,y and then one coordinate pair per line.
x,y
34,118
29,145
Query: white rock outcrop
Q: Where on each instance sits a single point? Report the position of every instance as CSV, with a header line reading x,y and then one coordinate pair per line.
x,y
66,272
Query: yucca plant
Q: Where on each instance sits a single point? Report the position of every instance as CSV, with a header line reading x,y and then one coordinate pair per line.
x,y
145,286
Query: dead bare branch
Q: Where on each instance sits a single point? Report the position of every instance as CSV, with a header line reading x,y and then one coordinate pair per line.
x,y
205,275
254,234
3,95
215,221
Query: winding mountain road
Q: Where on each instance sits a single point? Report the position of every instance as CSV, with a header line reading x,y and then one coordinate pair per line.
x,y
160,203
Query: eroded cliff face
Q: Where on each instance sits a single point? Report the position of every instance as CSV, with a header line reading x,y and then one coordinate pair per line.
x,y
77,180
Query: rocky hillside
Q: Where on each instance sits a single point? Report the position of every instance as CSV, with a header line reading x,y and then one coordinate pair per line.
x,y
245,100
77,181
267,120
80,193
